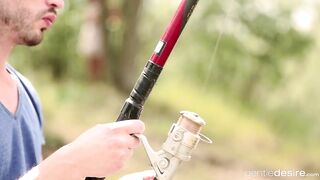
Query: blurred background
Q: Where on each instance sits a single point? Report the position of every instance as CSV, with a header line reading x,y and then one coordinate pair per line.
x,y
250,68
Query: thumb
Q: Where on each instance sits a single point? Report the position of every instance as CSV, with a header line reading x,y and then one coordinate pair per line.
x,y
129,126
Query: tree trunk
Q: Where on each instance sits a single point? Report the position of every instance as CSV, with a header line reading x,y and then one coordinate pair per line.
x,y
122,43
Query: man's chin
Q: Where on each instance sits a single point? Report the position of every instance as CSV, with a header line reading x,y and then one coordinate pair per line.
x,y
32,39
33,42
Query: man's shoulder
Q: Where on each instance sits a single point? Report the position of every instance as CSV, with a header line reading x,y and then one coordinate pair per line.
x,y
25,81
30,90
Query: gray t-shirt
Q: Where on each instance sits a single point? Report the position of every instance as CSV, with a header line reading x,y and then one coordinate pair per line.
x,y
21,134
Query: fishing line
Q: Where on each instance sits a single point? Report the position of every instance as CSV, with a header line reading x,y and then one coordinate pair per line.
x,y
212,60
213,56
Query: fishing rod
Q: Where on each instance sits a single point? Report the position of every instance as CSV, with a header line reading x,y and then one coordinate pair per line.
x,y
184,136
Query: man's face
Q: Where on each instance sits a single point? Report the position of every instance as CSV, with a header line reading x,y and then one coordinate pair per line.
x,y
26,20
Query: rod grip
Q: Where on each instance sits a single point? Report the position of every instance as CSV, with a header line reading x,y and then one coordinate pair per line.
x,y
133,106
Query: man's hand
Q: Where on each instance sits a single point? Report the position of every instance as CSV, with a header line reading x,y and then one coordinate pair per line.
x,y
98,152
143,175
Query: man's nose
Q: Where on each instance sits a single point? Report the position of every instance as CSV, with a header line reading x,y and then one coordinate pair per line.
x,y
56,3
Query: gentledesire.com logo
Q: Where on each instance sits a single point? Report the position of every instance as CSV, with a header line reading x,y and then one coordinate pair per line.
x,y
280,173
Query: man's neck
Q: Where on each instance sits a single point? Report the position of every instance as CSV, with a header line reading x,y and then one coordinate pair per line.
x,y
6,46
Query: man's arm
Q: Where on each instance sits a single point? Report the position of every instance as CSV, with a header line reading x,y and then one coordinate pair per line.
x,y
98,152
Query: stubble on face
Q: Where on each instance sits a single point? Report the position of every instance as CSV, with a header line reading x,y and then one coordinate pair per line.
x,y
28,34
21,22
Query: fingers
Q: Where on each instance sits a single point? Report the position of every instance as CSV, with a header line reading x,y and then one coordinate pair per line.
x,y
129,126
145,175
133,142
123,132
149,175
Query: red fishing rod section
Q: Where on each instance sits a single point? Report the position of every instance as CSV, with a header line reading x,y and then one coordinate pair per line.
x,y
173,31
133,106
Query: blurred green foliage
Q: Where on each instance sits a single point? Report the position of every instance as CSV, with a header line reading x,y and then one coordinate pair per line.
x,y
253,48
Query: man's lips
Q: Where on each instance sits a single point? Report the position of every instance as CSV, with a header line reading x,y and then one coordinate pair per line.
x,y
49,19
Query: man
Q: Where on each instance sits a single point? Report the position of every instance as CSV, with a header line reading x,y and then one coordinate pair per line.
x,y
100,151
